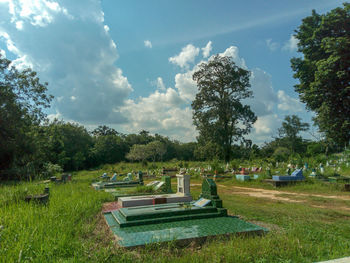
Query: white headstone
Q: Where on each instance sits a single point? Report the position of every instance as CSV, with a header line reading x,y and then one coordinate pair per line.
x,y
183,184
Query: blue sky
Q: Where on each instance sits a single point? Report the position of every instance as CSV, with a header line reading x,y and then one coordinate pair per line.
x,y
128,64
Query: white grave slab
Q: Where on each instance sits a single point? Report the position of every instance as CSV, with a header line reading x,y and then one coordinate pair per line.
x,y
183,195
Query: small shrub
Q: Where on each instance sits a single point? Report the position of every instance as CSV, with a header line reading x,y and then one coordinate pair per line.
x,y
51,169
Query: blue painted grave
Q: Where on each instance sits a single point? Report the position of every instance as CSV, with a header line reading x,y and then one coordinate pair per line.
x,y
297,175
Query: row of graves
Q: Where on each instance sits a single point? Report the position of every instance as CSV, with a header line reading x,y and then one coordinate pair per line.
x,y
331,175
138,220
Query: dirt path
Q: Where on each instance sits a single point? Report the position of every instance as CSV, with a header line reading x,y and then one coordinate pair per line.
x,y
258,192
276,195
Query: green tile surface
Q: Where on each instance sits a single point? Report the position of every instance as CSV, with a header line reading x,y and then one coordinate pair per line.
x,y
180,230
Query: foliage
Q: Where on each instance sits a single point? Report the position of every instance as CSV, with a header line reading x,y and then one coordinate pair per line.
x,y
50,169
291,127
22,99
281,154
323,70
207,150
219,114
152,150
156,149
103,131
68,144
109,148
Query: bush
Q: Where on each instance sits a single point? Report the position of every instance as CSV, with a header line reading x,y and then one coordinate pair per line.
x,y
281,154
50,169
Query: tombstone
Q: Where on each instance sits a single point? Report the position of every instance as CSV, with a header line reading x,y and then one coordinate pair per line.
x,y
114,177
183,194
306,166
297,173
159,185
153,183
167,186
209,191
321,169
288,171
183,184
128,177
313,173
140,175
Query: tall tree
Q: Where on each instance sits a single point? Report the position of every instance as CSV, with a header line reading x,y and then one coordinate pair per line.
x,y
324,70
156,149
22,99
291,127
219,114
68,144
103,130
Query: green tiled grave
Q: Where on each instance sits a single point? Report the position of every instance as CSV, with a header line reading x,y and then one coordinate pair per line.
x,y
134,226
151,214
180,230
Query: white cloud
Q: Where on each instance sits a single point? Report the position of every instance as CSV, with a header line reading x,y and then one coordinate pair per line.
x,y
185,85
160,112
2,53
292,44
160,84
71,49
265,128
272,45
38,13
264,95
265,125
147,43
288,103
207,49
233,52
186,56
19,25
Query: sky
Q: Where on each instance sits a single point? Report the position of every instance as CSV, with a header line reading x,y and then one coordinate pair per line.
x,y
129,64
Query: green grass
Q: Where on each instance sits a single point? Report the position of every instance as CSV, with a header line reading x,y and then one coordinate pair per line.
x,y
70,228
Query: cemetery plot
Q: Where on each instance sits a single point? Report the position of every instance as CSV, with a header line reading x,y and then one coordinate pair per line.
x,y
161,187
277,180
127,181
182,195
140,225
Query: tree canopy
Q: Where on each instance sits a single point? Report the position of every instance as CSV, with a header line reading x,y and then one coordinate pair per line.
x,y
324,70
219,114
289,132
22,98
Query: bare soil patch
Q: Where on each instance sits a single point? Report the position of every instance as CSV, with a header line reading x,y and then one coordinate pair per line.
x,y
281,196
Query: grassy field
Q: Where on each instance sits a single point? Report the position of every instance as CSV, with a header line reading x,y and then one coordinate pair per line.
x,y
311,227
